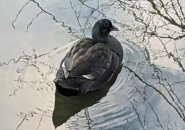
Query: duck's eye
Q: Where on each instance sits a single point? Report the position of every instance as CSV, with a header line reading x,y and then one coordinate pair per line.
x,y
106,25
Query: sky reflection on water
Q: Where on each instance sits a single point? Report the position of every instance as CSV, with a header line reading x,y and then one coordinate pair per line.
x,y
148,93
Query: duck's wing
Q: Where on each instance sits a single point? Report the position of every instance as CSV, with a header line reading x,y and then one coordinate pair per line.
x,y
87,60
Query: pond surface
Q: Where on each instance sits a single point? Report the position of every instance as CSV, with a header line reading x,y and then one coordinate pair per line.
x,y
148,94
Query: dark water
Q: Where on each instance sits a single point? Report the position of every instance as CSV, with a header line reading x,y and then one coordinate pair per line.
x,y
148,94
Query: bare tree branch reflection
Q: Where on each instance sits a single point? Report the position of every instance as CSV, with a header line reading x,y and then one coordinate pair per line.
x,y
179,110
77,17
19,13
162,20
42,11
161,16
138,116
30,115
25,117
31,22
34,62
42,115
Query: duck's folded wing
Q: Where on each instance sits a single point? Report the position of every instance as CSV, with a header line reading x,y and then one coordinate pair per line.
x,y
86,60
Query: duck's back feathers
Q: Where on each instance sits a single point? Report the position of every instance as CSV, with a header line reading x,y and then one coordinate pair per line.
x,y
77,52
86,64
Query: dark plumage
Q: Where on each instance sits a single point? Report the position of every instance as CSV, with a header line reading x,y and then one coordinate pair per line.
x,y
90,63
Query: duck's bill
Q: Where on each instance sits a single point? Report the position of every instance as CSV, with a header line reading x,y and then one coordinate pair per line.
x,y
115,28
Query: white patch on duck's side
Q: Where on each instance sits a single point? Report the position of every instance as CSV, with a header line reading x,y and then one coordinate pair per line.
x,y
66,73
88,76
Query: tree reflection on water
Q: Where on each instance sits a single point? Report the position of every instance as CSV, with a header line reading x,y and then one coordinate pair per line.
x,y
148,93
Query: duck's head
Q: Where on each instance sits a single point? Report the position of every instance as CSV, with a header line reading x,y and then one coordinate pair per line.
x,y
101,30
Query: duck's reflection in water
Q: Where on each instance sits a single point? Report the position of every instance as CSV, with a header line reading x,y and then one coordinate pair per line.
x,y
67,106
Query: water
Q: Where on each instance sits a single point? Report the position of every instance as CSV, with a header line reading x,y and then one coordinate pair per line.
x,y
147,94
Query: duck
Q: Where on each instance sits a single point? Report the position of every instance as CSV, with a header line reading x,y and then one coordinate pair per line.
x,y
91,62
